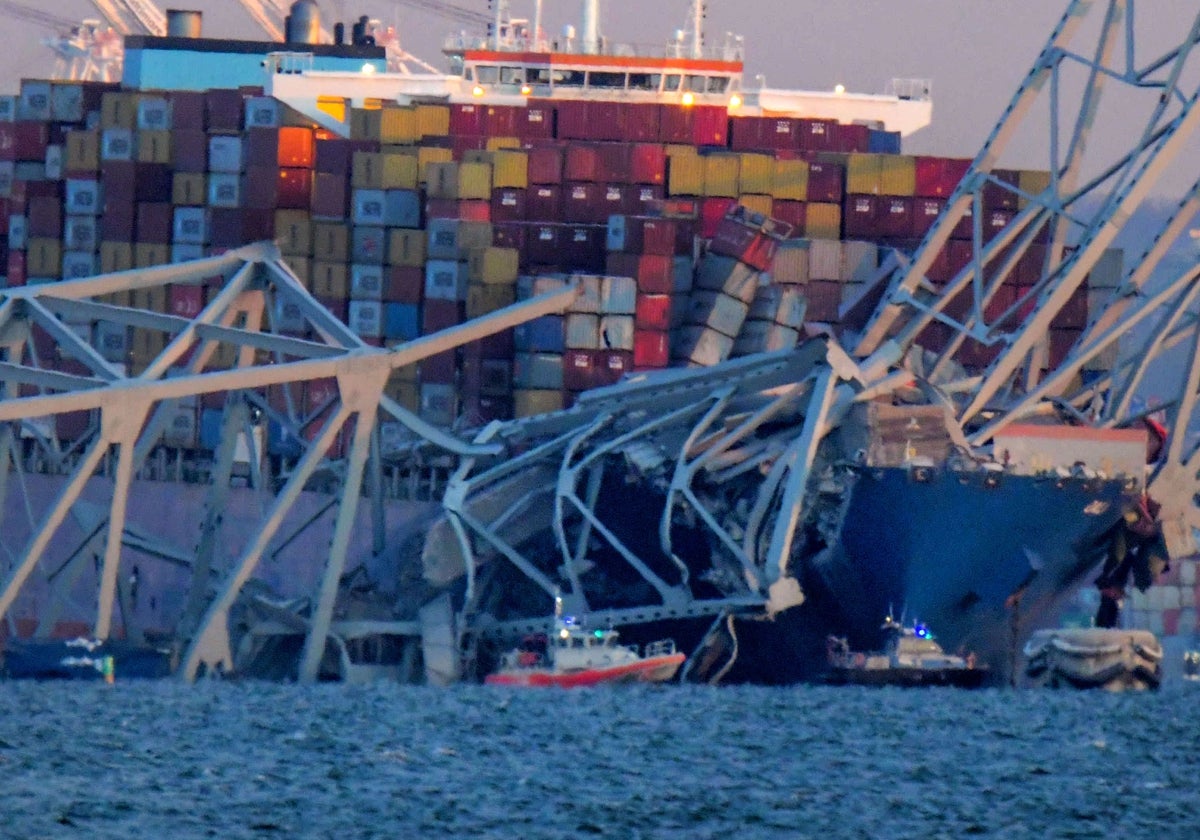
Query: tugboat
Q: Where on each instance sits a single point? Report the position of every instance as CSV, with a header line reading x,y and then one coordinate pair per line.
x,y
912,657
574,657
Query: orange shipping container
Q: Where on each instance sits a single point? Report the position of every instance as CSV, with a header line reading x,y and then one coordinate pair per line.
x,y
823,221
329,280
83,151
406,247
297,147
154,146
330,241
366,171
188,189
293,232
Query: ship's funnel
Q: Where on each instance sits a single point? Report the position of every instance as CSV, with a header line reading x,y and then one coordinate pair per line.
x,y
303,25
591,27
183,23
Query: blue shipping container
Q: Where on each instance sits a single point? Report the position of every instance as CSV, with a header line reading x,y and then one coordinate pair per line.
x,y
541,335
210,427
401,321
883,142
281,442
402,208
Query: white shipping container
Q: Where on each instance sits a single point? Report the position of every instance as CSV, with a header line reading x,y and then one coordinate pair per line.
x,y
531,287
224,190
54,162
368,207
18,227
779,304
616,332
538,371
34,101
186,252
84,195
702,347
717,311
66,102
225,153
1108,270
764,337
116,144
8,107
366,318
153,114
262,112
81,233
824,259
588,300
860,261
446,280
190,226
77,264
181,429
366,282
287,316
618,296
439,403
582,331
111,340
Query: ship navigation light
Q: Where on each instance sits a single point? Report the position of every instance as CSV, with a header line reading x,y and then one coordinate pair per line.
x,y
688,98
477,90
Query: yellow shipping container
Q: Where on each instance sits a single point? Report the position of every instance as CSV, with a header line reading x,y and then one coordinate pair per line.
x,y
427,155
293,232
721,175
1031,182
789,180
366,123
330,241
897,175
118,109
474,181
433,120
329,280
154,298
149,254
43,257
528,402
484,298
493,265
115,256
188,189
756,203
510,170
863,174
441,180
406,247
823,221
756,174
124,298
674,149
495,144
301,267
398,124
366,171
685,174
399,171
154,146
83,151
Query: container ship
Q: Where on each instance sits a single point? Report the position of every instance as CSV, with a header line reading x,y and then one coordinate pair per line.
x,y
705,225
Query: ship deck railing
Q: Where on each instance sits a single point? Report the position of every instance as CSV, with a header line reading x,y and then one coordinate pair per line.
x,y
663,647
731,51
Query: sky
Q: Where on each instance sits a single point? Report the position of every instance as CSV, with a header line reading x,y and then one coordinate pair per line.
x,y
974,52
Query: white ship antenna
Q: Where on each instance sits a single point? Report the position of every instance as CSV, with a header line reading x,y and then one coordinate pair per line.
x,y
537,25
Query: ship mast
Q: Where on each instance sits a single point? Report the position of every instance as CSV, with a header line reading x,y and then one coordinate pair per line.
x,y
591,27
697,33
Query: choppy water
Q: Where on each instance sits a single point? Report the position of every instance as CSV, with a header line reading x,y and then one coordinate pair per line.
x,y
252,760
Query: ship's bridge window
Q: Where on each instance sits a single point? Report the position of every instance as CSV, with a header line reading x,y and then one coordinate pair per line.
x,y
569,78
718,84
604,79
696,84
673,81
487,75
644,81
537,75
512,75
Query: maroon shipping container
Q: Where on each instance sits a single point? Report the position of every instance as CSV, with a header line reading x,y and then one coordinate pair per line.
x,y
583,203
614,163
579,369
582,162
45,216
153,223
185,301
995,221
187,110
261,147
189,150
583,247
612,200
746,134
851,137
542,244
467,120
501,120
1029,266
860,216
405,284
295,188
895,219
823,300
459,146
509,235
816,135
613,364
648,235
571,121
965,225
790,212
936,177
1003,298
925,214
780,133
16,268
643,200
710,125
745,243
8,141
535,122
30,140
333,155
116,223
712,211
224,227
260,187
1002,195
223,110
508,204
640,122
441,208
439,314
544,203
651,348
545,164
653,312
330,196
647,164
825,182
653,273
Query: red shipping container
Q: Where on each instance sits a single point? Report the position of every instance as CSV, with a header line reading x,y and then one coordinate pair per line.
x,y
501,120
116,223
441,208
154,223
405,284
185,301
223,109
651,349
31,139
743,242
579,370
895,219
582,202
790,212
611,365
653,312
296,147
542,245
936,177
816,135
509,235
614,162
459,146
295,188
572,121
647,164
851,137
582,162
653,273
466,120
641,122
676,124
330,196
746,134
508,205
643,200
1002,299
474,210
187,110
546,165
780,133
649,235
16,268
437,314
45,216
925,214
583,247
607,119
825,182
860,216
712,211
535,122
189,150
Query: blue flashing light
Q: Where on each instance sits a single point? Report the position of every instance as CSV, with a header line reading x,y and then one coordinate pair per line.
x,y
921,630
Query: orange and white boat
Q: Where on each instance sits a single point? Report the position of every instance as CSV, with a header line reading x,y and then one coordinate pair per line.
x,y
574,657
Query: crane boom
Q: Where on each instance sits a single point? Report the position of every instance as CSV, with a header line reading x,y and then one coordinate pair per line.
x,y
149,17
266,16
35,15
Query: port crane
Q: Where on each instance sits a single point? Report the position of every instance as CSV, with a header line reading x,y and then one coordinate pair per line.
x,y
84,50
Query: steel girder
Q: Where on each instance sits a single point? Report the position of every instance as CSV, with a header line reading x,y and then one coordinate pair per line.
x,y
230,346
